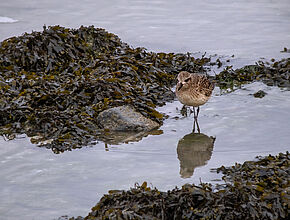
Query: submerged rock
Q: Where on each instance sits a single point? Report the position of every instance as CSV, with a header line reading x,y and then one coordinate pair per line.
x,y
259,94
125,118
119,137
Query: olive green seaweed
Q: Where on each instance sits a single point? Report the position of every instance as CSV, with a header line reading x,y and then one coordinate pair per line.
x,y
253,190
276,73
54,83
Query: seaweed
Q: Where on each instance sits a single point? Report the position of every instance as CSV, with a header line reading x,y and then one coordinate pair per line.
x,y
54,83
275,74
252,190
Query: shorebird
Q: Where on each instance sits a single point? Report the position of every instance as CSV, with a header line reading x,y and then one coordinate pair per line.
x,y
193,89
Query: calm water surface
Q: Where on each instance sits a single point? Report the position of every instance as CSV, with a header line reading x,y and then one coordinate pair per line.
x,y
37,184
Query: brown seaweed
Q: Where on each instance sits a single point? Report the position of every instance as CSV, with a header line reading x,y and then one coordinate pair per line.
x,y
253,190
275,74
54,83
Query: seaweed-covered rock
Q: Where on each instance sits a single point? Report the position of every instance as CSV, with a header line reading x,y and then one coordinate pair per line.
x,y
253,190
124,118
55,83
259,94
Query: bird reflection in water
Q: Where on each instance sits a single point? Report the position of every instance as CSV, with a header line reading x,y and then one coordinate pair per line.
x,y
194,150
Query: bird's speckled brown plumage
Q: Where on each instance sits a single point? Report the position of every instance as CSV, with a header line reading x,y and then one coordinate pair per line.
x,y
193,89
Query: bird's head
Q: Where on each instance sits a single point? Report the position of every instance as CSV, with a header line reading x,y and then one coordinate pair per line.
x,y
184,79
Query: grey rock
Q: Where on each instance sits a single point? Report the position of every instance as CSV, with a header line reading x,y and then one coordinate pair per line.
x,y
125,118
119,137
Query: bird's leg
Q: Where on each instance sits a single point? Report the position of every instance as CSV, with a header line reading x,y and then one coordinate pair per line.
x,y
194,115
198,130
197,112
194,118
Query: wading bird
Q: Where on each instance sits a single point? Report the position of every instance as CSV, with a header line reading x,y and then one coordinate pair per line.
x,y
193,89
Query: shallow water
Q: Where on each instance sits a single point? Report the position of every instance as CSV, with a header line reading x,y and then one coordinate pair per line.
x,y
37,184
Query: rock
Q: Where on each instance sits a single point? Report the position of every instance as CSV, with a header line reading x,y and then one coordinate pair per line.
x,y
119,137
259,94
125,118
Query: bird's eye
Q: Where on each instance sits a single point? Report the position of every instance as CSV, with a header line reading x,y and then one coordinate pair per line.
x,y
187,80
